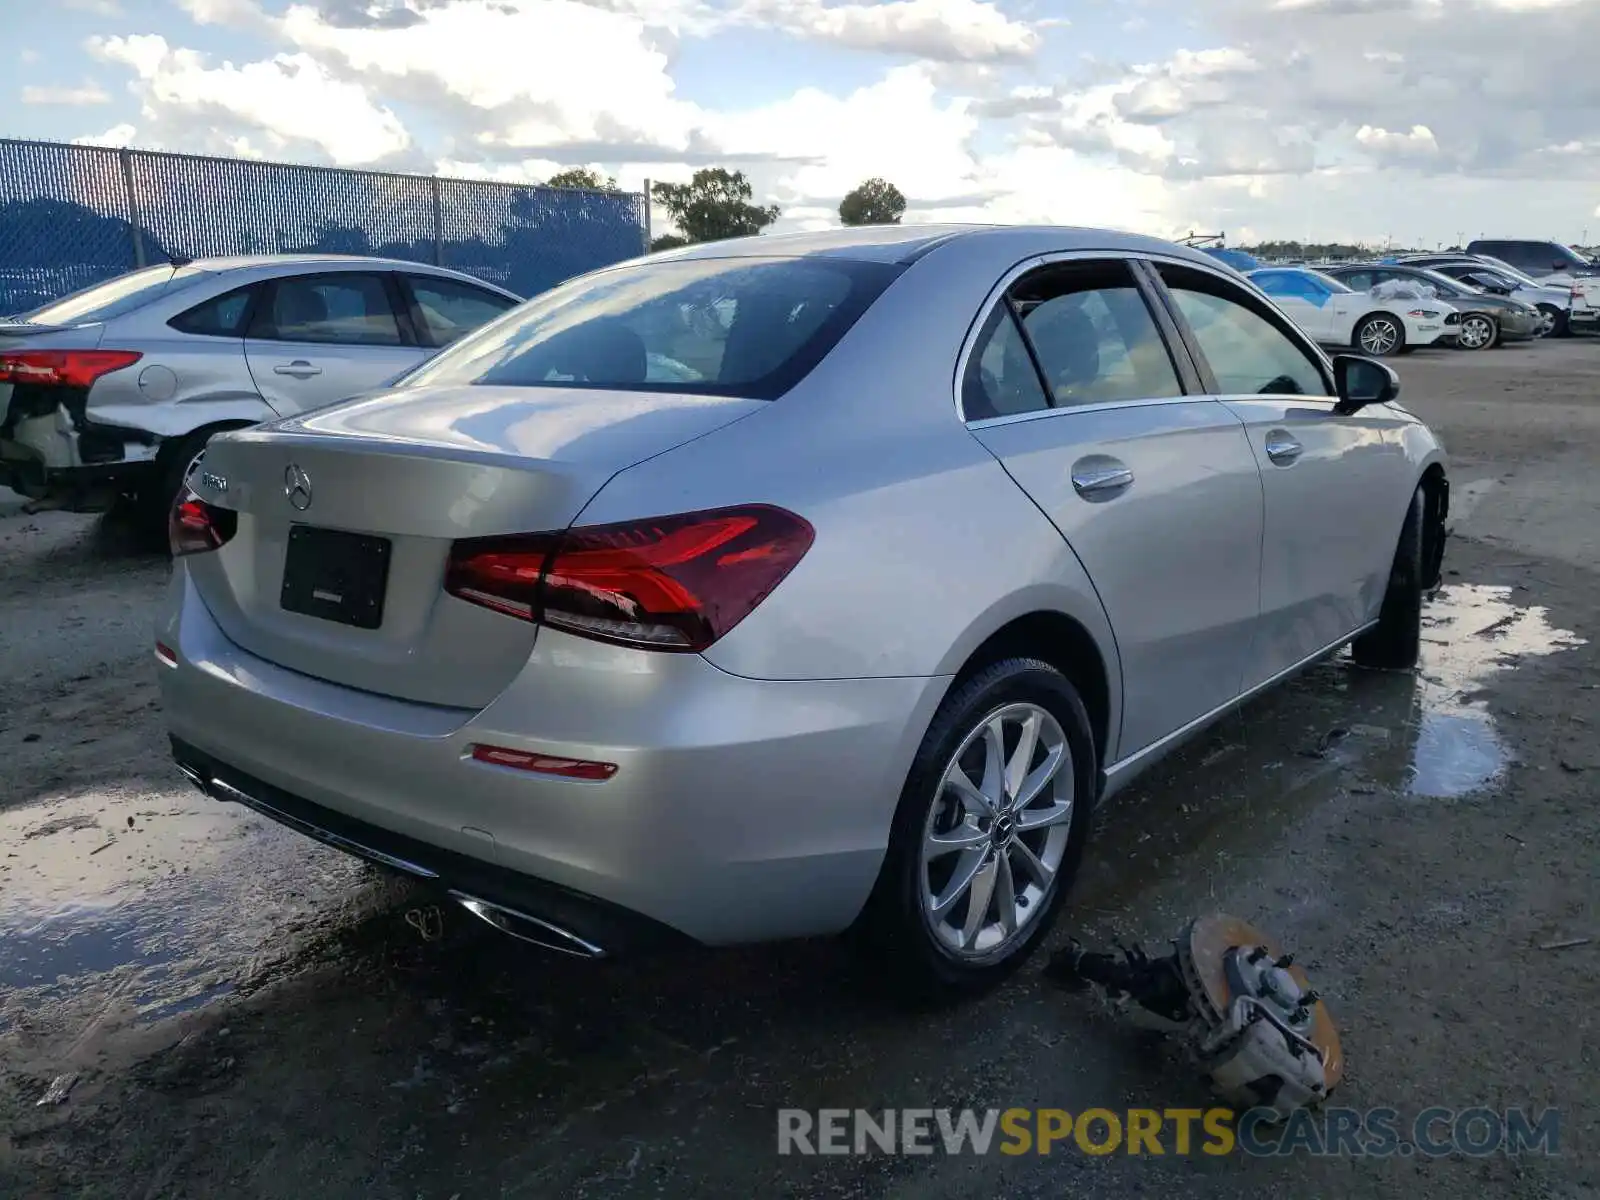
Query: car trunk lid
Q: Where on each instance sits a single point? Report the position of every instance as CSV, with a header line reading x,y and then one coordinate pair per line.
x,y
346,518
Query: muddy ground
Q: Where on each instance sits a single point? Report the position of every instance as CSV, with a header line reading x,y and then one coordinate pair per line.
x,y
239,1012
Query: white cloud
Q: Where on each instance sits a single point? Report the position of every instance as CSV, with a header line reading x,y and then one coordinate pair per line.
x,y
938,30
291,102
89,93
117,135
1325,118
534,79
1419,143
98,8
28,55
835,142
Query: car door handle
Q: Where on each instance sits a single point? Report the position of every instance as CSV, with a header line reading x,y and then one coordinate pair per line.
x,y
299,368
1099,476
1282,449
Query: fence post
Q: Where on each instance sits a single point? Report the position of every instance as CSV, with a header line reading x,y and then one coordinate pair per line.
x,y
647,238
125,158
438,225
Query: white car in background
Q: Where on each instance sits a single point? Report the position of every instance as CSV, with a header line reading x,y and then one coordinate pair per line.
x,y
1336,315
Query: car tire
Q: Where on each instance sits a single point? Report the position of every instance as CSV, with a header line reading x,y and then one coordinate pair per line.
x,y
1558,321
1484,332
1369,334
1395,643
914,949
159,493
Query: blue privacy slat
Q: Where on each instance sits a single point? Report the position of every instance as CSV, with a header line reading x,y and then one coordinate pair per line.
x,y
71,216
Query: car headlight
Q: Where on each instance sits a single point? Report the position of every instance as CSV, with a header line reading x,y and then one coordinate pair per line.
x,y
1427,313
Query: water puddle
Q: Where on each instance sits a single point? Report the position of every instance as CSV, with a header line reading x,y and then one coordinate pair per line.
x,y
163,899
1471,632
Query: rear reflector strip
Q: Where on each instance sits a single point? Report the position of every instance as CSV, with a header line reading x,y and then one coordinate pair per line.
x,y
166,655
543,764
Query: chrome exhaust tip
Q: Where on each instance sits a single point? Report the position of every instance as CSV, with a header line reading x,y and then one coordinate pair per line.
x,y
194,777
533,930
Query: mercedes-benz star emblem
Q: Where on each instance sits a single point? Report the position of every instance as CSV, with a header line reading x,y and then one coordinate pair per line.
x,y
297,486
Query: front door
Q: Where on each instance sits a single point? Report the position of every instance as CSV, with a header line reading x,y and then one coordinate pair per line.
x,y
1328,479
1156,491
318,339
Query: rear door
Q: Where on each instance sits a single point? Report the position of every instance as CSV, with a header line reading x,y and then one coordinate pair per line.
x,y
1071,384
1330,481
316,339
1295,293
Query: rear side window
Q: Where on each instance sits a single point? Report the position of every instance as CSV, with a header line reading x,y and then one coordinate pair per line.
x,y
102,301
1361,281
1248,352
1088,330
221,316
340,309
751,327
450,310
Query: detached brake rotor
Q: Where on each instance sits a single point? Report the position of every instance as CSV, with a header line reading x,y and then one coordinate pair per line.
x,y
1258,1031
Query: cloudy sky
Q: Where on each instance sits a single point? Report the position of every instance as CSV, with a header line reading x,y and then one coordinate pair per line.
x,y
1416,120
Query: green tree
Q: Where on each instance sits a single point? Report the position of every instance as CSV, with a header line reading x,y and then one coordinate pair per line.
x,y
715,204
582,177
667,241
875,202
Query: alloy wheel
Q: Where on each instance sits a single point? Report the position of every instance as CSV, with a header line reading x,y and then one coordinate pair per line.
x,y
1380,336
997,831
1476,333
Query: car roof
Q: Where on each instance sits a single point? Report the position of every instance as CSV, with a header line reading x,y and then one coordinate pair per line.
x,y
240,262
907,243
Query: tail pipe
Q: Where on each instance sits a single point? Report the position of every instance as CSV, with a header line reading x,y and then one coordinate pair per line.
x,y
520,925
525,928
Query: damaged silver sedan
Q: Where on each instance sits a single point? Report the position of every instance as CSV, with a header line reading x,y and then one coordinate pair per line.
x,y
113,392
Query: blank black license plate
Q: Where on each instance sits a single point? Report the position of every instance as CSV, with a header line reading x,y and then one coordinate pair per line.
x,y
335,575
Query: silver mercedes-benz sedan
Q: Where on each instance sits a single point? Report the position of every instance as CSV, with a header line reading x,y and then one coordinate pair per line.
x,y
794,584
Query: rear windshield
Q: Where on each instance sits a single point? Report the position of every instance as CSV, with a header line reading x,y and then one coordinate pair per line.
x,y
102,301
750,327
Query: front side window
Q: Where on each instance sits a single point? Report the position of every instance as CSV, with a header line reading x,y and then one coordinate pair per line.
x,y
1360,281
341,309
1249,354
451,310
750,327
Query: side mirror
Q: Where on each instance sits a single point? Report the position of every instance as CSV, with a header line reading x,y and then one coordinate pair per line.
x,y
1361,381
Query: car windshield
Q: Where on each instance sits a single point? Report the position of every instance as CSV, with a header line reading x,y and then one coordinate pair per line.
x,y
749,327
102,301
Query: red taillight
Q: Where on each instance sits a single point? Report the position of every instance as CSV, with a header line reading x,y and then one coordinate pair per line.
x,y
195,526
544,764
63,368
666,583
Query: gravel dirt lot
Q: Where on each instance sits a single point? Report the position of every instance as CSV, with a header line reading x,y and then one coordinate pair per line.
x,y
241,1012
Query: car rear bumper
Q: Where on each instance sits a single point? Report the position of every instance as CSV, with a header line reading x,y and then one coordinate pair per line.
x,y
740,810
79,489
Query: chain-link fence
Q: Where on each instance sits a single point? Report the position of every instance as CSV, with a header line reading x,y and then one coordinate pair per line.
x,y
71,216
